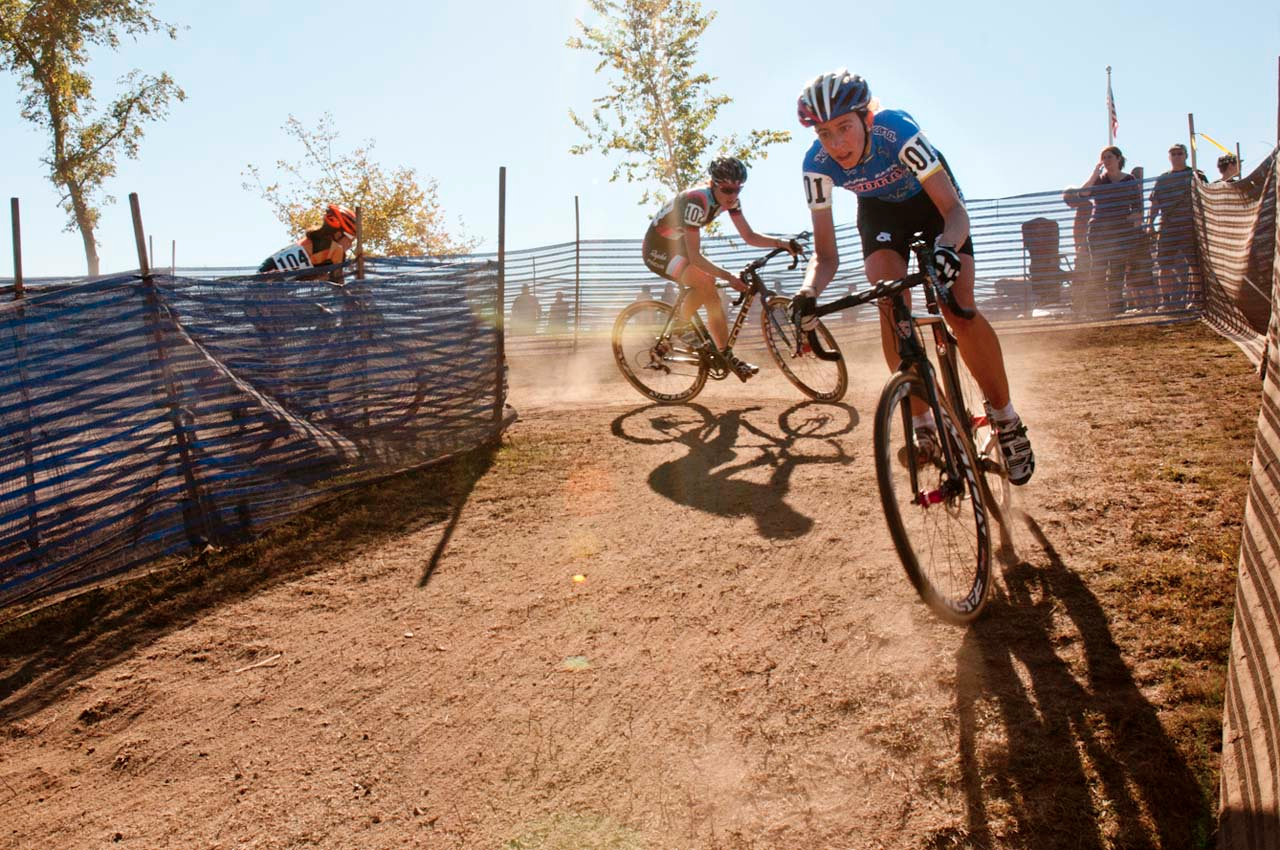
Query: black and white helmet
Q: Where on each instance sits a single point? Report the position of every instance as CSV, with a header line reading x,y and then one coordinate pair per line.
x,y
727,169
832,95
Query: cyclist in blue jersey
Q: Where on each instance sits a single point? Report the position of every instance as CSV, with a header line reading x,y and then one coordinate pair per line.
x,y
904,188
672,249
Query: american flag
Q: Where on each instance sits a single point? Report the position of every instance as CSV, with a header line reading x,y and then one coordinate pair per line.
x,y
1111,107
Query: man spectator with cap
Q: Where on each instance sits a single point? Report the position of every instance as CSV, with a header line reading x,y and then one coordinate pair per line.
x,y
1175,241
1228,167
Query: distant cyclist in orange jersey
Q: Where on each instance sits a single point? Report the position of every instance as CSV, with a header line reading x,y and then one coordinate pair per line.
x,y
327,245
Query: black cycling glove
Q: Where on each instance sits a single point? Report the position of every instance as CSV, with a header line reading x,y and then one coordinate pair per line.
x,y
803,313
946,263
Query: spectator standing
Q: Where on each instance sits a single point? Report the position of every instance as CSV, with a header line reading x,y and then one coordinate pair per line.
x,y
558,315
1115,224
1175,240
1228,168
525,312
1084,292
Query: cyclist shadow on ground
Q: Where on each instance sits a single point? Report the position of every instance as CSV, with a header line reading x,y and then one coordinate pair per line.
x,y
705,477
1078,728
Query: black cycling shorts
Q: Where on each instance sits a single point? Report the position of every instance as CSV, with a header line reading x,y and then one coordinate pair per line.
x,y
667,258
883,224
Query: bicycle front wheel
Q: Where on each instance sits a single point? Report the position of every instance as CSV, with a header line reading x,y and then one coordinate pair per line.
x,y
663,369
373,391
935,509
820,380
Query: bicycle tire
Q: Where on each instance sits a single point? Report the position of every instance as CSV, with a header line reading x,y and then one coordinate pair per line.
x,y
938,521
820,380
665,372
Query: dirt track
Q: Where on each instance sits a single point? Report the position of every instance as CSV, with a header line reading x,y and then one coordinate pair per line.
x,y
744,665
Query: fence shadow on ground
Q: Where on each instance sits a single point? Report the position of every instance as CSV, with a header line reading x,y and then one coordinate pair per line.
x,y
48,650
1071,710
709,476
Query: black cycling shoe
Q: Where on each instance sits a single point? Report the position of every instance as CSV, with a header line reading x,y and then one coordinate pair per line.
x,y
740,367
928,449
1015,446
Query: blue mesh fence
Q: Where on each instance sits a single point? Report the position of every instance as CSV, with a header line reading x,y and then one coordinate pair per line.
x,y
143,419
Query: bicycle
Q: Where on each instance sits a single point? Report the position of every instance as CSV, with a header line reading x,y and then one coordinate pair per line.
x,y
672,368
936,507
325,355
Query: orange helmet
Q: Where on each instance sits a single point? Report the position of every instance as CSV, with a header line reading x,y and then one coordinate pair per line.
x,y
340,218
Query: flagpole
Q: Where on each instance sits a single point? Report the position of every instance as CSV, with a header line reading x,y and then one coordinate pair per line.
x,y
1110,106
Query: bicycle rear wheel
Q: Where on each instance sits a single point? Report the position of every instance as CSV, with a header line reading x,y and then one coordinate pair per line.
x,y
986,442
820,380
937,517
664,370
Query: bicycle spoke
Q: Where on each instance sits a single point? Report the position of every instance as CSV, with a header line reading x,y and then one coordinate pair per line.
x,y
986,443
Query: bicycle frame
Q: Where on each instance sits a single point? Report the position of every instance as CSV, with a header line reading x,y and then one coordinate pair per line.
x,y
708,350
914,358
755,286
906,326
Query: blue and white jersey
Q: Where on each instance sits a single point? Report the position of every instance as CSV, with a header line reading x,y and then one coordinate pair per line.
x,y
900,158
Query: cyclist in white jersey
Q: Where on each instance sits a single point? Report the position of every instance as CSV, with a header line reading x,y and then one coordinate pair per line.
x,y
904,188
672,249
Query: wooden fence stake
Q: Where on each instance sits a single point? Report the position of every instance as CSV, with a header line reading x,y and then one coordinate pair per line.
x,y
197,518
501,297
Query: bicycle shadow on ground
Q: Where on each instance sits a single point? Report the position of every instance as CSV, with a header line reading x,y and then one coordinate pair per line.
x,y
720,449
48,650
1087,764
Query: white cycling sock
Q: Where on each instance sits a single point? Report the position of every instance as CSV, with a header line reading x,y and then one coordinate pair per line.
x,y
1006,414
924,420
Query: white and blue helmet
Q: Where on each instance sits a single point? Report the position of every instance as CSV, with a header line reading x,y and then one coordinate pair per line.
x,y
832,95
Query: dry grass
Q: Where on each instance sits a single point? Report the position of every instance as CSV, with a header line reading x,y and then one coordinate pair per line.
x,y
1161,546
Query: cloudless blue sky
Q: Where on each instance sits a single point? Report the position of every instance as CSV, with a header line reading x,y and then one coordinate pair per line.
x,y
1015,98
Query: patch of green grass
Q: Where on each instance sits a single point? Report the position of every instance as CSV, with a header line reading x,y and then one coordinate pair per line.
x,y
577,832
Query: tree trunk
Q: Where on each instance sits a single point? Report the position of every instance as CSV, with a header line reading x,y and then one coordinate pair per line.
x,y
64,176
82,214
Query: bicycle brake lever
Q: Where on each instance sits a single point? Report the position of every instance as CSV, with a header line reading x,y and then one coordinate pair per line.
x,y
795,261
947,298
799,239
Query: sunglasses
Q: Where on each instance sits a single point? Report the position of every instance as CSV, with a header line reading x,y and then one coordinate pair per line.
x,y
728,190
1177,153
